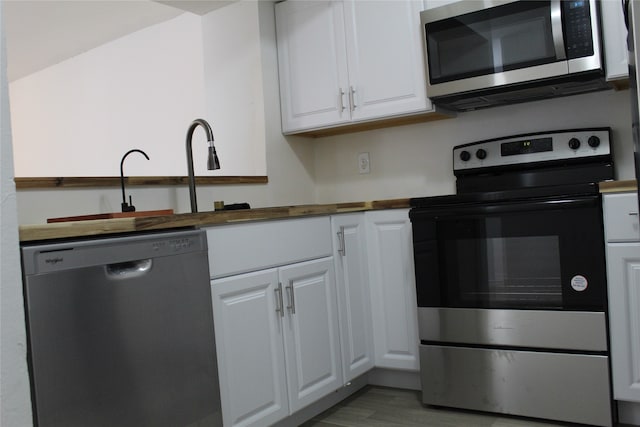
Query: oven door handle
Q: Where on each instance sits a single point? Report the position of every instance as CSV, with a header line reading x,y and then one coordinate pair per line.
x,y
496,208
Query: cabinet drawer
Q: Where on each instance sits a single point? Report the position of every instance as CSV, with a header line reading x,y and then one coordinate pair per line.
x,y
252,246
621,217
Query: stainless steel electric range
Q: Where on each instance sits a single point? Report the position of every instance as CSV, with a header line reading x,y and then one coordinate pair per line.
x,y
511,281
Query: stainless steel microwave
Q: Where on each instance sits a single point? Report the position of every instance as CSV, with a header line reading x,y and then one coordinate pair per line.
x,y
494,52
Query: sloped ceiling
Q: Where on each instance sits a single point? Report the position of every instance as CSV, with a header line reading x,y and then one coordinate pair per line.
x,y
41,33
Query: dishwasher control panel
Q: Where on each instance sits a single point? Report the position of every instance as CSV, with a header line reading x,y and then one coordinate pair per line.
x,y
48,257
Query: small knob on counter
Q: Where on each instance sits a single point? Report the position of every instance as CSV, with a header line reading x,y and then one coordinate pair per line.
x,y
574,143
465,156
481,154
593,141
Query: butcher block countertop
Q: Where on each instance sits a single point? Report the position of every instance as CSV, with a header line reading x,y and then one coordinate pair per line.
x,y
61,230
618,186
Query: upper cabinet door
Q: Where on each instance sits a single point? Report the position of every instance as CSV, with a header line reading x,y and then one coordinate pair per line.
x,y
386,62
312,64
614,34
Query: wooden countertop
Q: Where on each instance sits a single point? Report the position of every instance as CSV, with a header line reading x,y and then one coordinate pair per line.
x,y
29,233
618,186
60,230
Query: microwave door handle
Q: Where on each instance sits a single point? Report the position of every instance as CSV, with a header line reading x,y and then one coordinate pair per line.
x,y
556,29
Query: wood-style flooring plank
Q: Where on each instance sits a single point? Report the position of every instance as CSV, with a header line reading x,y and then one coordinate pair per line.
x,y
388,407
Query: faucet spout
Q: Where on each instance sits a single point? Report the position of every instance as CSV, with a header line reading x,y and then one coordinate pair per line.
x,y
212,160
128,207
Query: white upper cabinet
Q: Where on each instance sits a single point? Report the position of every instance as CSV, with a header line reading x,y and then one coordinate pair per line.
x,y
385,58
312,64
347,62
614,34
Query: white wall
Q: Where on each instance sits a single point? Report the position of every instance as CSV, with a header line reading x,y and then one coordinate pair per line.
x,y
290,164
416,160
15,401
79,117
233,89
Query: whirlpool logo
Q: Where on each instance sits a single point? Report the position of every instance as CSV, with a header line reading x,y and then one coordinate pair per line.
x,y
54,261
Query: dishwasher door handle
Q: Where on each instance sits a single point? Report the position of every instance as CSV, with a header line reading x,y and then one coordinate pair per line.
x,y
128,269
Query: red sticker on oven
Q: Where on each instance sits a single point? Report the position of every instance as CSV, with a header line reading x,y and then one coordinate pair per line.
x,y
579,283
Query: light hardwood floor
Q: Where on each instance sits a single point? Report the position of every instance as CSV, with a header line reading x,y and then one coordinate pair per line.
x,y
387,407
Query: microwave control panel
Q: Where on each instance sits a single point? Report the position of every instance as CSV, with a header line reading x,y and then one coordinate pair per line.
x,y
533,148
577,19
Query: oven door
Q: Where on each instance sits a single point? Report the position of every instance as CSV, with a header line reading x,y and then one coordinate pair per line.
x,y
480,45
538,255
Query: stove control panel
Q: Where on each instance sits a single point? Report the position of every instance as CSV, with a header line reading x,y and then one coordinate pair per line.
x,y
533,148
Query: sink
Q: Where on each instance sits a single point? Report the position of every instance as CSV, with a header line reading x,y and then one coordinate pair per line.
x,y
111,215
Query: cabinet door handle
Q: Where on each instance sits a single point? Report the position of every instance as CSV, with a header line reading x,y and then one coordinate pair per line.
x,y
279,302
292,299
341,95
342,249
633,213
352,97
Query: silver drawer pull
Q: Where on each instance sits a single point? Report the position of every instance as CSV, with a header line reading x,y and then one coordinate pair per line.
x,y
292,298
342,250
279,302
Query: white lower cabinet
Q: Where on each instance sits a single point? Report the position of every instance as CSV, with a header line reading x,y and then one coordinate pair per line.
x,y
393,291
303,306
354,300
623,277
311,333
623,261
277,341
249,341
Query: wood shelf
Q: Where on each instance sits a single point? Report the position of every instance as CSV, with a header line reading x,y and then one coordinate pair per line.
x,y
114,181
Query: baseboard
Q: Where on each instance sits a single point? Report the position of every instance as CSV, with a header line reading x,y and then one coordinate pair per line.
x,y
628,413
409,380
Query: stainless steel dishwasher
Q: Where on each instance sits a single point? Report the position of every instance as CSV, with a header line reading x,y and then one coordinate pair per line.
x,y
120,331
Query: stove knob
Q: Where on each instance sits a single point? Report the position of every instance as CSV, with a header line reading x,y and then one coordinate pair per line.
x,y
574,143
481,154
593,141
465,156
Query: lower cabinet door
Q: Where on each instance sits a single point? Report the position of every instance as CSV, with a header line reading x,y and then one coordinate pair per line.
x,y
354,299
623,269
393,289
250,349
311,333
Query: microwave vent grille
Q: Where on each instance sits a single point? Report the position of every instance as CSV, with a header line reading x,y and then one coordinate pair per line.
x,y
517,94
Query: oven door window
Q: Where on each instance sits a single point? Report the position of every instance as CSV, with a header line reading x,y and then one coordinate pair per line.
x,y
503,38
544,259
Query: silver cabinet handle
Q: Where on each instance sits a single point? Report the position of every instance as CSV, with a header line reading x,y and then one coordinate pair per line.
x,y
292,299
341,95
279,302
342,249
352,98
